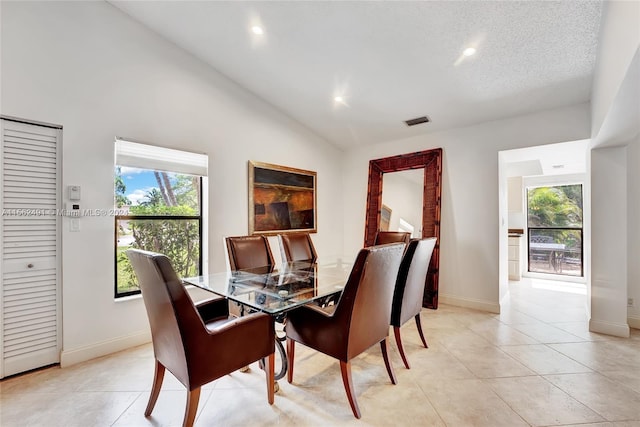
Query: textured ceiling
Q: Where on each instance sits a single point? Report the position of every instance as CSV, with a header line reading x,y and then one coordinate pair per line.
x,y
392,61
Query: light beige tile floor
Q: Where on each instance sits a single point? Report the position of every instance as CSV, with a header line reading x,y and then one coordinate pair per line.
x,y
535,364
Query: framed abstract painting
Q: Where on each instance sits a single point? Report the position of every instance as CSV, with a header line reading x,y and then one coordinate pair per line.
x,y
281,199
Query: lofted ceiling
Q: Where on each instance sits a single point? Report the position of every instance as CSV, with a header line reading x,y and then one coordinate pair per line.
x,y
390,61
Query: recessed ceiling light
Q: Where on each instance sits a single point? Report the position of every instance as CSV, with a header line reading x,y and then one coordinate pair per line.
x,y
338,99
469,51
257,30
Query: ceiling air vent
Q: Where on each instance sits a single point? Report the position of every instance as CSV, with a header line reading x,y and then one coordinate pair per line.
x,y
417,121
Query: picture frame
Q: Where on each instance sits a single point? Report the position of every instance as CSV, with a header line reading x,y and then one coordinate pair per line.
x,y
282,199
385,217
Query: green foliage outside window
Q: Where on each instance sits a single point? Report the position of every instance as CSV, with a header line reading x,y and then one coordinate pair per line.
x,y
166,220
556,212
120,189
559,206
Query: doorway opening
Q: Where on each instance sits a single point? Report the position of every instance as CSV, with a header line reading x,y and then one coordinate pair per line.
x,y
544,218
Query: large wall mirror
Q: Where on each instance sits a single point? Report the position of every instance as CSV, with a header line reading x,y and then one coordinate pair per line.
x,y
403,199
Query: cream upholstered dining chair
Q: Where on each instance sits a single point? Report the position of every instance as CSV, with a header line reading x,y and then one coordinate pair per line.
x,y
297,247
358,321
409,290
197,343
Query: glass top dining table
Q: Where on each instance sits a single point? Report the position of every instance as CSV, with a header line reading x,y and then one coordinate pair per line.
x,y
278,289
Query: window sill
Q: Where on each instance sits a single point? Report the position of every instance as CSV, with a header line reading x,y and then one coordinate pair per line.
x,y
128,298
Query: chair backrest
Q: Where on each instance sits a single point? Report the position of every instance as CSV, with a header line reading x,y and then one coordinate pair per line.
x,y
412,276
249,252
173,318
365,304
384,237
297,247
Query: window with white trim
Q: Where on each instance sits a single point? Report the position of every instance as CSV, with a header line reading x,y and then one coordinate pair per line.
x,y
555,229
158,196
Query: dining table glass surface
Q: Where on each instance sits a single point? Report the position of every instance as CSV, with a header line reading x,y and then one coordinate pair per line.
x,y
280,288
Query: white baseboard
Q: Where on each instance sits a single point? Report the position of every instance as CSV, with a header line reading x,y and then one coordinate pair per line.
x,y
634,322
82,354
470,303
609,328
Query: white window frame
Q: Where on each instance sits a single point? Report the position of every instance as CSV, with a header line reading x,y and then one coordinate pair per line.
x,y
130,153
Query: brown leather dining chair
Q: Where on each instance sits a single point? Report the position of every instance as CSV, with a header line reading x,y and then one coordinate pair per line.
x,y
297,247
197,343
384,237
409,290
254,253
247,252
359,320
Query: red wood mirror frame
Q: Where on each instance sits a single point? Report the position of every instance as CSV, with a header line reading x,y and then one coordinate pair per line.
x,y
431,161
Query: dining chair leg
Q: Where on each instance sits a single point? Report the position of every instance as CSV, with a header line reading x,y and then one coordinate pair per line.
x,y
291,346
345,368
192,407
269,368
158,376
419,325
384,345
396,332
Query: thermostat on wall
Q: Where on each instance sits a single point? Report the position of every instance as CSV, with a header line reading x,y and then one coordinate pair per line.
x,y
74,192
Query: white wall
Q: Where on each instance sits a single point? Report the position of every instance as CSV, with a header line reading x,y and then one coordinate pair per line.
x,y
609,241
469,255
618,42
91,69
515,202
633,241
615,125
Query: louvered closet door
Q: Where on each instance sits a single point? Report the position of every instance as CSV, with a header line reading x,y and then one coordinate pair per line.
x,y
30,272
